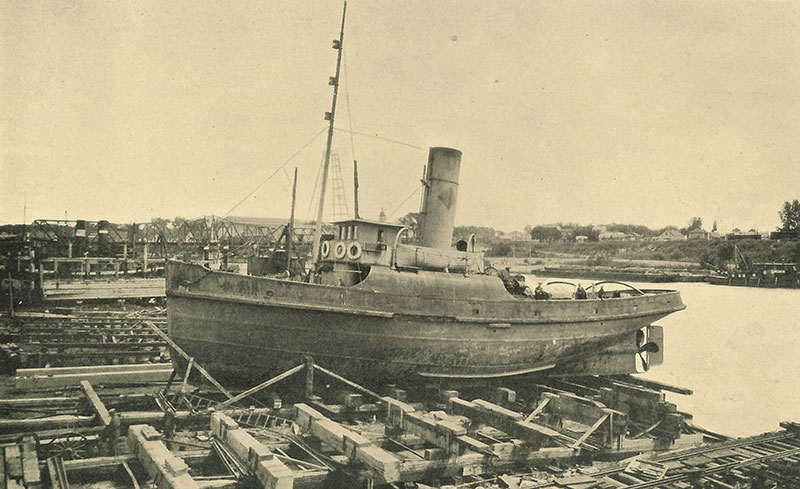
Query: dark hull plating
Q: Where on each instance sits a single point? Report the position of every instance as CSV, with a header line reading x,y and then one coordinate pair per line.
x,y
247,329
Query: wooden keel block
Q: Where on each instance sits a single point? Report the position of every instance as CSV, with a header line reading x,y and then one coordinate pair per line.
x,y
399,394
304,415
506,396
221,424
31,474
380,461
169,471
351,444
272,474
446,395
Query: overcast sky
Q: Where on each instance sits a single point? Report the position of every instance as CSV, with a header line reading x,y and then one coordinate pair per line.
x,y
575,111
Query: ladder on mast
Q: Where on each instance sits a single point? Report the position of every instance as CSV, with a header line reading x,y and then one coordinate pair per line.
x,y
340,210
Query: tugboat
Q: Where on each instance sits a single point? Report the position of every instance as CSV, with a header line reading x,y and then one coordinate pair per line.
x,y
378,310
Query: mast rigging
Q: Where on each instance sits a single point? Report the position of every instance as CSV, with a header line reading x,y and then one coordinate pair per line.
x,y
329,116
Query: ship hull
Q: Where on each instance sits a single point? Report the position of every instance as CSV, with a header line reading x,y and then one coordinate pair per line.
x,y
246,329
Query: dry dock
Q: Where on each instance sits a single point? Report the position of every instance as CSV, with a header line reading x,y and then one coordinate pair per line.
x,y
136,425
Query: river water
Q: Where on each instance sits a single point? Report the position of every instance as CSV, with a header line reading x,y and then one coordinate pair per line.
x,y
738,349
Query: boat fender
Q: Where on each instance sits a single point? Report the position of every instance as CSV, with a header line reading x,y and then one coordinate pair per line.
x,y
354,251
326,249
340,250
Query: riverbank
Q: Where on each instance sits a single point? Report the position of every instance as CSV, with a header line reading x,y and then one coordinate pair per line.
x,y
645,261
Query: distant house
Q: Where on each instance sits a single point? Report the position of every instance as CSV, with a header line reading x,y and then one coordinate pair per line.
x,y
737,234
670,235
513,236
609,235
793,234
581,239
697,234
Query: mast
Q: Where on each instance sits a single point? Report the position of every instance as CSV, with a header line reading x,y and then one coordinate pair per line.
x,y
355,189
334,81
290,228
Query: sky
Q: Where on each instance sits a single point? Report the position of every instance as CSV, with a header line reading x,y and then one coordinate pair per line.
x,y
639,112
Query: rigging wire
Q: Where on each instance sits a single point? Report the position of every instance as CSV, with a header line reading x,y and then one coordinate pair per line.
x,y
375,136
273,173
406,200
347,100
316,185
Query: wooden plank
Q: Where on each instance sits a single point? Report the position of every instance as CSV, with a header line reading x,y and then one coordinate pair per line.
x,y
538,410
450,437
130,475
109,378
349,382
98,407
186,375
510,422
263,385
591,430
652,384
29,372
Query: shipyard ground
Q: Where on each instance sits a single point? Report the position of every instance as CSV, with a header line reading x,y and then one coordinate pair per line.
x,y
93,402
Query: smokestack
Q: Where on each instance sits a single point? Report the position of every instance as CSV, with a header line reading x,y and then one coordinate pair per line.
x,y
439,203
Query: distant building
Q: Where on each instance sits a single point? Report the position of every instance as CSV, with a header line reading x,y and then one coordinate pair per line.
x,y
795,234
698,234
581,239
670,235
738,234
609,235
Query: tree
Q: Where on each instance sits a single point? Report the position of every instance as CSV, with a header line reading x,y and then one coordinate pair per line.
x,y
500,249
411,221
714,227
695,223
545,233
590,232
790,216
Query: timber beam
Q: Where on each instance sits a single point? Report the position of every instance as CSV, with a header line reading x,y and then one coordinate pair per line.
x,y
270,472
167,470
590,413
130,375
447,435
353,445
508,421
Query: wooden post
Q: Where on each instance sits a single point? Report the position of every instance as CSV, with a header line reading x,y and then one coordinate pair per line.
x,y
309,377
182,353
144,259
113,432
10,295
290,230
